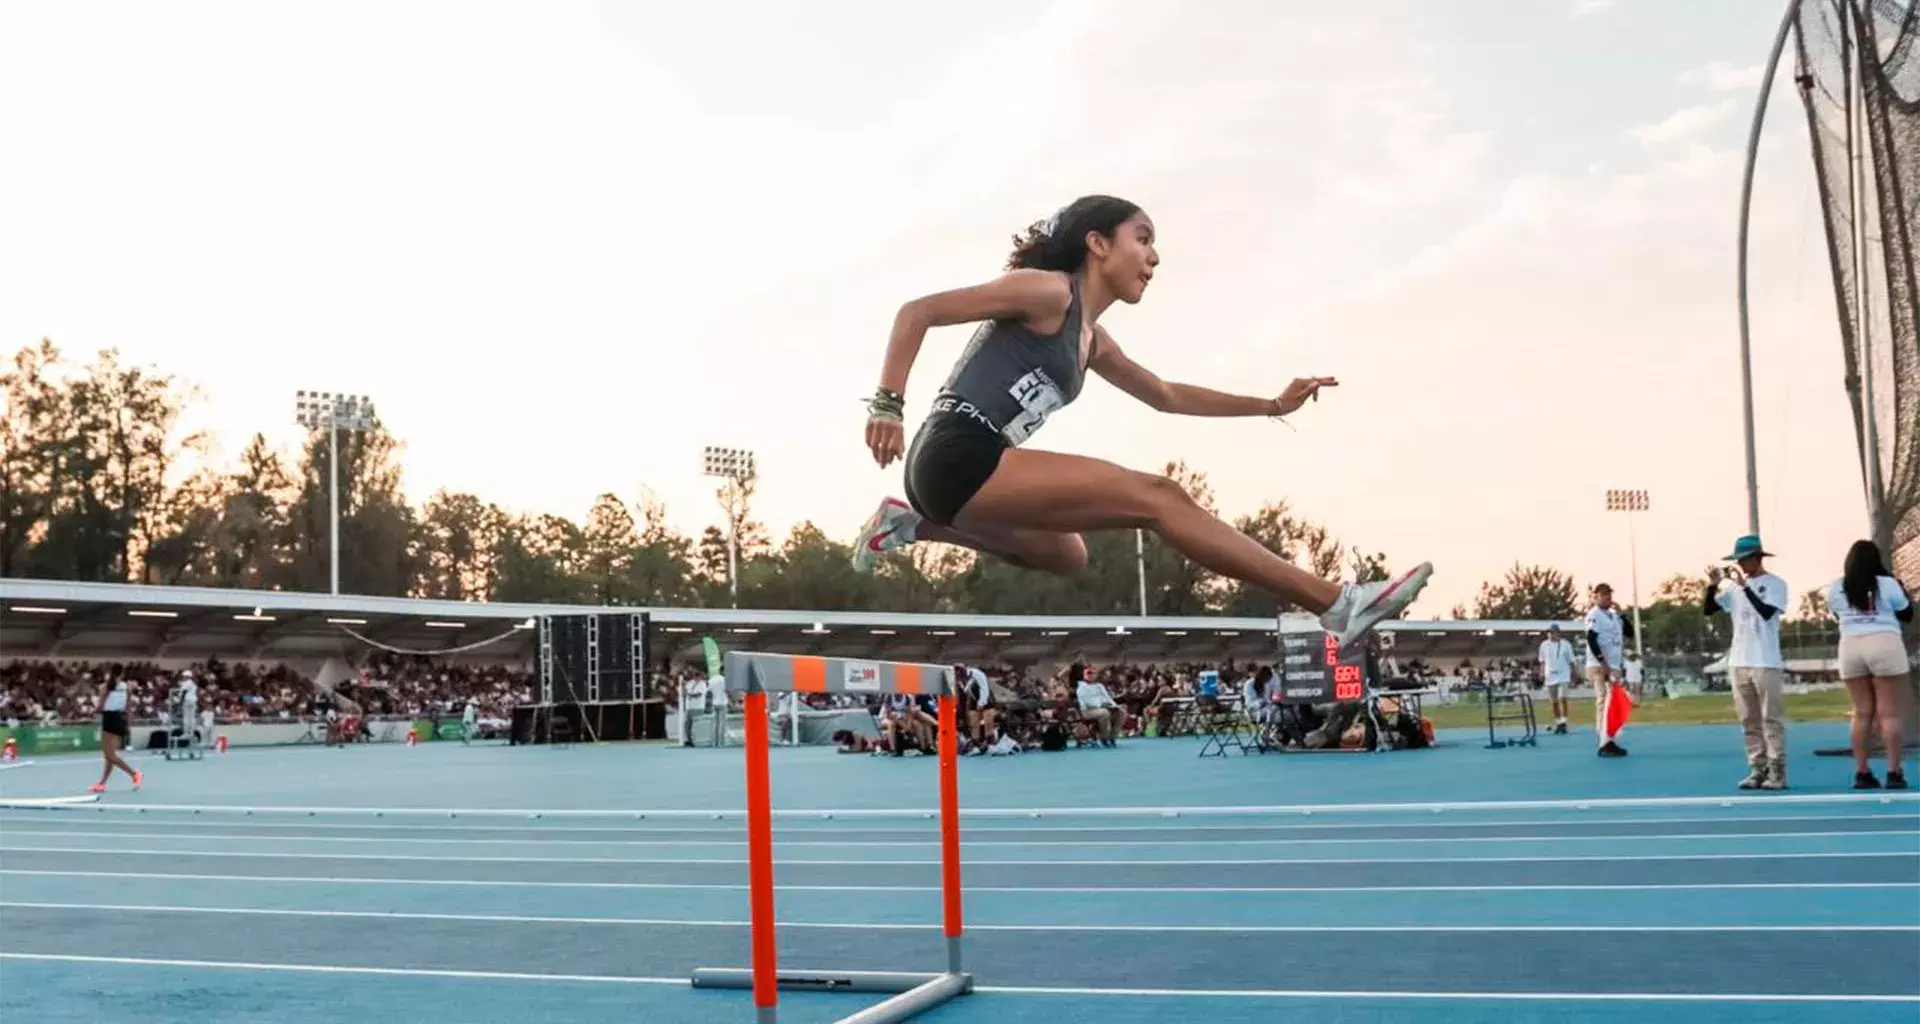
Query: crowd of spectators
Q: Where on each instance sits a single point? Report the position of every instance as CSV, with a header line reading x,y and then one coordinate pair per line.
x,y
34,691
414,686
1073,705
1033,708
1052,709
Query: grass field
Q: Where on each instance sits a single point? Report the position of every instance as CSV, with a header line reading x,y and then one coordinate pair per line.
x,y
1698,709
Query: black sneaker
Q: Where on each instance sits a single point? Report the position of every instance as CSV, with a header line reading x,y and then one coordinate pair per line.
x,y
1865,780
1613,749
1896,780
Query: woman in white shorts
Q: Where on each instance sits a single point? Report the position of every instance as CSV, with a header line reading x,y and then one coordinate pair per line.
x,y
1871,605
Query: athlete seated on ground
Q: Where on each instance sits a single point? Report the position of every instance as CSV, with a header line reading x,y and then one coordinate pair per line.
x,y
970,483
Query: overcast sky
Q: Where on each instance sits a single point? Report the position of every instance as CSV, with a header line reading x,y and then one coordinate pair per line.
x,y
563,245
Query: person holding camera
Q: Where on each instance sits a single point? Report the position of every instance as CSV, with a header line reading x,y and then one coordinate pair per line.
x,y
1755,599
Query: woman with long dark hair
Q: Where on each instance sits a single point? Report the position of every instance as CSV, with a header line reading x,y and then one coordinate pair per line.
x,y
115,734
1871,605
969,481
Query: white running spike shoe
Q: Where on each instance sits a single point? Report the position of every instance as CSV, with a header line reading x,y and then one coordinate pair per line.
x,y
892,525
1363,606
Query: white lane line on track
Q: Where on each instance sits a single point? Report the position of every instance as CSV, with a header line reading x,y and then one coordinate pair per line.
x,y
971,862
881,813
1475,929
543,827
482,883
934,844
1131,993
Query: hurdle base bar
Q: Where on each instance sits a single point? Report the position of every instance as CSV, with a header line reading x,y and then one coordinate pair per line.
x,y
913,993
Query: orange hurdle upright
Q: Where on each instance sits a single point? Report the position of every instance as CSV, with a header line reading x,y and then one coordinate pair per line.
x,y
758,675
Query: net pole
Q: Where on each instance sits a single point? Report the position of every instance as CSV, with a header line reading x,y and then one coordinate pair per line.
x,y
766,992
950,830
1746,216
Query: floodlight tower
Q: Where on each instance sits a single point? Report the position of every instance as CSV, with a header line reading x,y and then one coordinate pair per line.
x,y
335,412
735,466
1631,502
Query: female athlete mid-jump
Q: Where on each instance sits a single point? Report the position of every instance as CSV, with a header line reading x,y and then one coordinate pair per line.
x,y
969,481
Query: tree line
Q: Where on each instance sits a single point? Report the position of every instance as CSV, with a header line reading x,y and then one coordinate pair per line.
x,y
100,482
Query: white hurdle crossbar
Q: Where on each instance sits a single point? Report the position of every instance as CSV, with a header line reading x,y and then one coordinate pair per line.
x,y
759,674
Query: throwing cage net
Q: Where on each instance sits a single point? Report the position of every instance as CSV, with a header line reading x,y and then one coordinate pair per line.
x,y
1859,79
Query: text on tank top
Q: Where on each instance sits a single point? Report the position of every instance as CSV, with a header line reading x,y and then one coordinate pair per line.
x,y
1011,379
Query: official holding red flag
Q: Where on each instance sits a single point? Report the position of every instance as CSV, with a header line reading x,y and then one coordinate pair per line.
x,y
1606,656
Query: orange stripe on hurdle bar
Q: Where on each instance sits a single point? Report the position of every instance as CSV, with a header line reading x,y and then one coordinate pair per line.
x,y
810,675
906,679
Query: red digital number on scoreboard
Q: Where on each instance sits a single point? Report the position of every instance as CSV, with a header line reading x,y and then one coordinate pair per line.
x,y
1348,683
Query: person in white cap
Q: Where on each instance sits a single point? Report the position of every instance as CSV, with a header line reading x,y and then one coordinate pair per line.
x,y
1606,656
1755,599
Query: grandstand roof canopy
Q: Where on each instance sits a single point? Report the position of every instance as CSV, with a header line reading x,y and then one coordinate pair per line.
x,y
49,619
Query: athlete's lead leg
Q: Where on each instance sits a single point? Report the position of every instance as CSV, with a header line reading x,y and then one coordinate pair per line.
x,y
1034,493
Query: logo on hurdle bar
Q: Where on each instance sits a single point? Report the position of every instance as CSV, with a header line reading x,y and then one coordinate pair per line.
x,y
863,677
758,675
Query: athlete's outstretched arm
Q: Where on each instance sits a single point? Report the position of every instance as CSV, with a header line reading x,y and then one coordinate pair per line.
x,y
1190,399
1027,295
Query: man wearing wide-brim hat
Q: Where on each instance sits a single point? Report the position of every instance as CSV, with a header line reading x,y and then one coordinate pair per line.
x,y
1754,599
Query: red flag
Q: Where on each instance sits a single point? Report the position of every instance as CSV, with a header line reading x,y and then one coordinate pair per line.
x,y
1619,709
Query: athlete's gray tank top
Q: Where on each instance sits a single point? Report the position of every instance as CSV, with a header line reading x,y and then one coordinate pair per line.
x,y
1010,379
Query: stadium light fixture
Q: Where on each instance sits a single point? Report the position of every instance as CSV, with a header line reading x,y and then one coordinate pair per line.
x,y
333,412
34,609
143,613
1631,502
432,624
736,467
346,622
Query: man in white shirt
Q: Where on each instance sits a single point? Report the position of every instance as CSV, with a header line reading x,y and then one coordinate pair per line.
x,y
1755,600
1098,707
718,706
1556,670
1606,654
1636,675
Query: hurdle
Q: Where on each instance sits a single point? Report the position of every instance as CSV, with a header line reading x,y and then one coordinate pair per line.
x,y
759,674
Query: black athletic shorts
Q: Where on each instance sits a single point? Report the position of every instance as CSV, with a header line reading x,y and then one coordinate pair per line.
x,y
115,723
949,461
